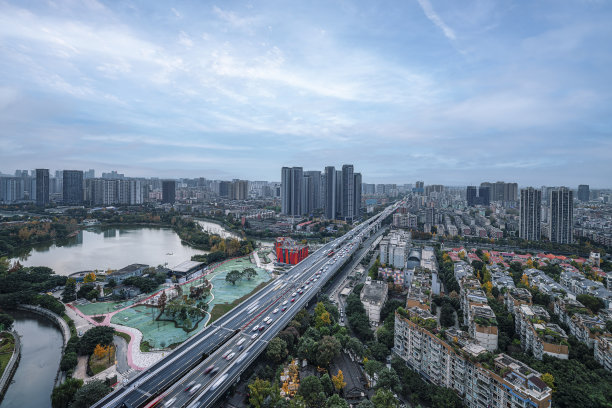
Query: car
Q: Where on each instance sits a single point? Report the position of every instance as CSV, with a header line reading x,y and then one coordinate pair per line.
x,y
230,356
270,321
214,371
253,337
261,328
292,300
294,294
169,403
275,310
242,340
209,369
218,382
189,386
300,291
284,303
195,388
255,328
284,308
226,353
240,347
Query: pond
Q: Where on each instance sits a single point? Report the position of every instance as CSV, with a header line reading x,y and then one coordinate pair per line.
x,y
114,248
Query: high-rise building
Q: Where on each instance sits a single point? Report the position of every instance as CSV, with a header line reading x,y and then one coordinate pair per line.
x,y
348,192
419,187
531,201
91,173
330,192
307,195
317,186
357,195
471,196
561,215
291,190
239,190
484,194
338,194
72,187
168,191
583,192
42,187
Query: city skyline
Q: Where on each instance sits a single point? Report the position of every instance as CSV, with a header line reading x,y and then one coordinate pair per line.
x,y
431,90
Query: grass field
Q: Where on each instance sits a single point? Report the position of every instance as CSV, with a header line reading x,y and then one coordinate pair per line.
x,y
7,345
219,310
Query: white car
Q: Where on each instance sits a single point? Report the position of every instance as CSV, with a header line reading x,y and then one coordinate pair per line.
x,y
284,303
230,356
253,337
256,328
275,310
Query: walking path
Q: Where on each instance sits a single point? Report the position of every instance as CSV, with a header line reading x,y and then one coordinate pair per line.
x,y
137,360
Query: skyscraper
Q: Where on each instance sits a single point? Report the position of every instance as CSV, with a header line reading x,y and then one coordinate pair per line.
x,y
316,199
561,215
72,187
291,190
42,187
484,194
583,192
330,192
357,194
168,191
529,223
348,192
471,196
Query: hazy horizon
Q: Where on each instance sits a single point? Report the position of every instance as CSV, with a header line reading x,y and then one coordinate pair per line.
x,y
440,91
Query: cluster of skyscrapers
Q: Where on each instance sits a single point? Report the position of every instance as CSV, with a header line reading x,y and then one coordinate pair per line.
x,y
559,213
336,192
499,191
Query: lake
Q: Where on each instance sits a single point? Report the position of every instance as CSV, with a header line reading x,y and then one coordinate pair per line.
x,y
114,248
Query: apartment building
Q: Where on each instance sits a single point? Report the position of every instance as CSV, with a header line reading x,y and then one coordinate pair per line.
x,y
394,249
477,314
454,363
538,335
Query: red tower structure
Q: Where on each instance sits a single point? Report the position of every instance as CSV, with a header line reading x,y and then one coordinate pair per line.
x,y
288,251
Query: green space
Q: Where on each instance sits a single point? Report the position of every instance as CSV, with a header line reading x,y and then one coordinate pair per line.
x,y
7,345
96,308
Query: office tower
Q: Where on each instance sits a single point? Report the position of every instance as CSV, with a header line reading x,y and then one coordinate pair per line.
x,y
72,187
357,194
561,215
291,190
471,196
330,192
583,192
42,187
348,192
89,174
168,191
315,177
484,195
531,201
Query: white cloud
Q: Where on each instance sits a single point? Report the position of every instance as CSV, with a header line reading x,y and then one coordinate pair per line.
x,y
435,18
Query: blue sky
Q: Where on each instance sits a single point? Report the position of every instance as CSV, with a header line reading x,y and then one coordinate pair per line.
x,y
453,92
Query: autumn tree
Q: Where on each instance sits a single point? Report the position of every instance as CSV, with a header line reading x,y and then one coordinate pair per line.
x,y
89,278
549,380
101,351
338,380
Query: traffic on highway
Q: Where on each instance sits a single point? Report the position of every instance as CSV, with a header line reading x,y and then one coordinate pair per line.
x,y
198,372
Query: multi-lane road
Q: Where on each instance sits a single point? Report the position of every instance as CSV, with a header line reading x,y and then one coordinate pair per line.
x,y
198,372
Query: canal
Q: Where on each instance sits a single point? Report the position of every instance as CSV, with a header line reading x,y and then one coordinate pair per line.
x,y
41,344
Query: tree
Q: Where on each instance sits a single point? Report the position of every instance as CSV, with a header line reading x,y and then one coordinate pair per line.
x,y
6,321
594,304
310,388
161,303
388,379
249,273
233,276
365,404
326,383
335,401
338,381
69,293
384,399
259,391
549,380
64,394
89,278
447,315
327,349
101,351
111,283
89,394
102,335
372,367
69,361
355,346
307,349
277,350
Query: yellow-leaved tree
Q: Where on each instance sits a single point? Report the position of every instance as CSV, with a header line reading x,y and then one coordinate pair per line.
x,y
338,380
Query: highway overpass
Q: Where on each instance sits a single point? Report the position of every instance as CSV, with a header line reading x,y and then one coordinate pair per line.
x,y
199,371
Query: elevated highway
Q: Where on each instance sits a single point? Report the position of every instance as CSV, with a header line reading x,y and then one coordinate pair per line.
x,y
201,370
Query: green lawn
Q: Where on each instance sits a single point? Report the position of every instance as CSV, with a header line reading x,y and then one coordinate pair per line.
x,y
6,350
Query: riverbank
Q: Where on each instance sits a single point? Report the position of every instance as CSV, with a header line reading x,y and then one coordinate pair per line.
x,y
9,362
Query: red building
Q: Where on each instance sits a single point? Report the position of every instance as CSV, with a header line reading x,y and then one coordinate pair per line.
x,y
289,252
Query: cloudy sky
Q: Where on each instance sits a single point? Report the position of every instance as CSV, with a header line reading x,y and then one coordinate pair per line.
x,y
453,92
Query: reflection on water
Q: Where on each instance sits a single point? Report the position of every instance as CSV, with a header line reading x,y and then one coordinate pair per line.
x,y
110,248
41,344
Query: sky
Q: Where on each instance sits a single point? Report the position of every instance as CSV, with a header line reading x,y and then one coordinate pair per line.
x,y
448,92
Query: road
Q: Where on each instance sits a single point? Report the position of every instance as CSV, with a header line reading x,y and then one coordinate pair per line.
x,y
200,365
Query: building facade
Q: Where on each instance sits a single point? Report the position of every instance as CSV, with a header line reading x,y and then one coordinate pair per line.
x,y
529,222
